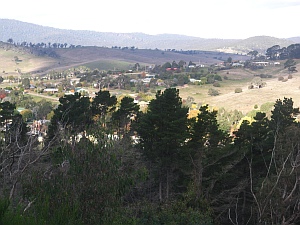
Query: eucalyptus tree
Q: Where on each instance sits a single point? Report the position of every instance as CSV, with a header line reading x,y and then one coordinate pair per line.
x,y
264,181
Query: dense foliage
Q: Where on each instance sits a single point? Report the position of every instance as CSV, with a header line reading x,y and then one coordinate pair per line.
x,y
106,162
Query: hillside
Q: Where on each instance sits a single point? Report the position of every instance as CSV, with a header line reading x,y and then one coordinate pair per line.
x,y
21,31
42,60
258,43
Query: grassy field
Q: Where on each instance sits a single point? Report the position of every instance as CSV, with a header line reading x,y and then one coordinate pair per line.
x,y
246,100
26,63
109,65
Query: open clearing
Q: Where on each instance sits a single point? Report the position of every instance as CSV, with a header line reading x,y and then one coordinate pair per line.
x,y
246,100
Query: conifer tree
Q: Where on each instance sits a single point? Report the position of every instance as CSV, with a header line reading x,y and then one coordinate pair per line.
x,y
163,131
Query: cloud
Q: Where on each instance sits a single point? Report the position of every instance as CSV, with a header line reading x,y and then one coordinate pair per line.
x,y
275,4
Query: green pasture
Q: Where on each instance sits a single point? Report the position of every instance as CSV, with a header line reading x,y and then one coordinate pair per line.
x,y
109,65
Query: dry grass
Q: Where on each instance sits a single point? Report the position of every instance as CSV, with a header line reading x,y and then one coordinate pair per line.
x,y
246,100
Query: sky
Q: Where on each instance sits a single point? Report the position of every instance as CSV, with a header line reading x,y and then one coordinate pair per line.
x,y
224,19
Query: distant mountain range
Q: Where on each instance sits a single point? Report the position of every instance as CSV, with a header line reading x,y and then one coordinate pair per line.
x,y
22,31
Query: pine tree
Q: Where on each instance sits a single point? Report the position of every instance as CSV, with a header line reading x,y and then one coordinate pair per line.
x,y
163,131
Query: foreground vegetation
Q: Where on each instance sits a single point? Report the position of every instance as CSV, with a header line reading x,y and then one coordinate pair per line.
x,y
102,159
106,162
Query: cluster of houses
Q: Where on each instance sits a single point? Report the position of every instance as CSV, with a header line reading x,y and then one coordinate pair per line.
x,y
240,64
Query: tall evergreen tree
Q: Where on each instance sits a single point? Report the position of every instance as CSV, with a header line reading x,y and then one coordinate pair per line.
x,y
205,146
125,114
163,131
102,104
72,115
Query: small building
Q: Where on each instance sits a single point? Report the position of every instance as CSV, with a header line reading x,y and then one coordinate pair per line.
x,y
51,90
237,65
194,80
260,63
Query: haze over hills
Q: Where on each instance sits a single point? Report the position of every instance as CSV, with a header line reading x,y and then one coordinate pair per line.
x,y
22,31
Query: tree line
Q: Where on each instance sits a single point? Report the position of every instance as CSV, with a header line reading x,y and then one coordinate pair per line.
x,y
106,162
41,44
276,52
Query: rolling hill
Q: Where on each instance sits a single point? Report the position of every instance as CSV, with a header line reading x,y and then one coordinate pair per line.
x,y
43,60
22,31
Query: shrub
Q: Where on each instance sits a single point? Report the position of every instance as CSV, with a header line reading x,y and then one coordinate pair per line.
x,y
210,79
213,92
255,106
285,80
264,75
238,90
280,78
218,77
225,77
203,80
266,107
216,84
290,76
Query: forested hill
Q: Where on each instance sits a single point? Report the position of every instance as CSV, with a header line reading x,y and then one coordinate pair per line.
x,y
21,31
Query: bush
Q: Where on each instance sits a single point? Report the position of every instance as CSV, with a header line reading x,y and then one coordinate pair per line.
x,y
290,76
263,75
216,84
210,79
266,107
218,77
225,77
284,80
203,80
238,90
280,78
213,92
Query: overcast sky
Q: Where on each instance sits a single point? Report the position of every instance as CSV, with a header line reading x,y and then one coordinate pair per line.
x,y
199,18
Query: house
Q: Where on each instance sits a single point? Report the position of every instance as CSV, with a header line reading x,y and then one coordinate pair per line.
x,y
275,63
146,80
237,64
81,90
260,63
150,76
194,80
75,81
49,90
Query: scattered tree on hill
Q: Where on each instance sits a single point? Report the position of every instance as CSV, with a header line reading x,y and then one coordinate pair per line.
x,y
229,60
10,40
290,64
257,82
253,54
273,52
26,83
